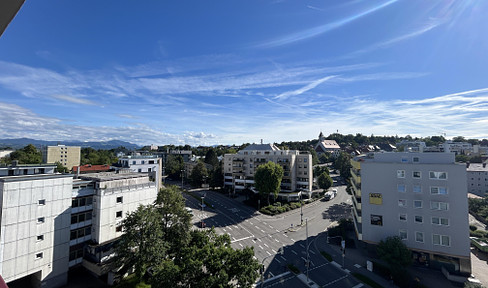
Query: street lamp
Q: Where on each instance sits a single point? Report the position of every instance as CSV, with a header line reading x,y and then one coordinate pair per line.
x,y
343,247
182,178
301,209
281,251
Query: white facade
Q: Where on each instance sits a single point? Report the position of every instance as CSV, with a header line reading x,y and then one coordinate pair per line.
x,y
144,164
477,179
34,236
420,197
239,168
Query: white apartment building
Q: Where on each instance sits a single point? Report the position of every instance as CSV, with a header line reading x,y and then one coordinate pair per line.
x,y
69,156
113,197
239,169
420,197
477,179
144,164
35,207
457,147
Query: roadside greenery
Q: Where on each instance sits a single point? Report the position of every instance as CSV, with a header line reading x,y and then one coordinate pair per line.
x,y
278,208
267,179
395,253
479,207
160,246
326,256
324,181
366,280
27,155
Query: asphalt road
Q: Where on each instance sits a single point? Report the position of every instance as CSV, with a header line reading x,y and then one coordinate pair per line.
x,y
271,234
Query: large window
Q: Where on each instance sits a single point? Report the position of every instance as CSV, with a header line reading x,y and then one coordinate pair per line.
x,y
417,174
401,173
438,190
376,220
417,189
439,205
437,175
419,219
403,234
402,203
417,204
442,240
402,217
440,221
401,188
419,237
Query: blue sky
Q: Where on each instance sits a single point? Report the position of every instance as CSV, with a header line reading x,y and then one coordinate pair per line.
x,y
225,72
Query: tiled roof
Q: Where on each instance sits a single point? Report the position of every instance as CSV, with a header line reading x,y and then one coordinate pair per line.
x,y
88,168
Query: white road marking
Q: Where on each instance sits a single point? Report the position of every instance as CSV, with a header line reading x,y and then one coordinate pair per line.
x,y
241,245
262,231
229,228
292,240
253,241
274,251
277,230
302,246
285,235
266,245
256,227
293,251
261,247
357,265
259,240
311,251
284,259
270,226
277,240
271,274
277,260
269,253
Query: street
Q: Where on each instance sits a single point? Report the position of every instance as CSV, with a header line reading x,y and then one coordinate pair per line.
x,y
269,234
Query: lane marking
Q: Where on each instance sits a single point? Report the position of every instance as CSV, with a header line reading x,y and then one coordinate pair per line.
x,y
311,251
259,240
277,230
263,231
266,245
277,240
293,251
302,246
241,245
285,235
284,259
274,251
277,260
269,253
292,239
357,265
261,247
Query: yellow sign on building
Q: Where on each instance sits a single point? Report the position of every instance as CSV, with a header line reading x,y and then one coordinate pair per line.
x,y
375,198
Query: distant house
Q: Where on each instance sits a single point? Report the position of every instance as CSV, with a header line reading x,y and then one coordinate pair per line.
x,y
327,146
88,168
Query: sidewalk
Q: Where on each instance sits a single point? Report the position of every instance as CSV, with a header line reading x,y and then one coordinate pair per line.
x,y
354,261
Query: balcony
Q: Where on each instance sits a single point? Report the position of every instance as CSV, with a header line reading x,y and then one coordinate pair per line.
x,y
356,203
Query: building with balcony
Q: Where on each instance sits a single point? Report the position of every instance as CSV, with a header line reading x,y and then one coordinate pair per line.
x,y
35,207
420,197
150,164
239,169
68,156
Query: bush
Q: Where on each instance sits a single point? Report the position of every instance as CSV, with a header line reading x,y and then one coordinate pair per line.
x,y
479,234
293,268
326,256
381,270
366,280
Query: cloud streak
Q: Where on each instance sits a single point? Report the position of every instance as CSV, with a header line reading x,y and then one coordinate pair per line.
x,y
319,30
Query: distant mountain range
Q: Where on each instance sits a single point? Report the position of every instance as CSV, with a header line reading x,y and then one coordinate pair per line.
x,y
22,142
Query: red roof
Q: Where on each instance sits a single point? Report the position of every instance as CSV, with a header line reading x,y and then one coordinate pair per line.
x,y
88,168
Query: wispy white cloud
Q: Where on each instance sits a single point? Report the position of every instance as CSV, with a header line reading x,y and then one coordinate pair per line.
x,y
319,30
74,99
304,89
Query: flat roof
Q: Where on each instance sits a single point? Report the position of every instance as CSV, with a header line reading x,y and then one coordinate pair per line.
x,y
110,176
16,178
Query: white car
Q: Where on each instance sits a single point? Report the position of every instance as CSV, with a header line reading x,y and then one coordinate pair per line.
x,y
329,195
188,209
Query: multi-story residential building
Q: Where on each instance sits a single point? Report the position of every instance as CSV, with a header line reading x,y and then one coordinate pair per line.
x,y
35,207
420,197
69,156
457,147
150,164
477,178
101,201
412,145
239,169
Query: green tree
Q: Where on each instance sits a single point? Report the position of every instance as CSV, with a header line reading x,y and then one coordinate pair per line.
x,y
174,165
141,244
343,164
395,253
60,168
217,177
198,175
315,158
267,179
211,158
317,170
324,181
208,261
27,155
175,220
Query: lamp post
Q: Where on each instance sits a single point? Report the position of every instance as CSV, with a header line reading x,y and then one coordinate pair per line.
x,y
281,252
182,178
343,247
301,209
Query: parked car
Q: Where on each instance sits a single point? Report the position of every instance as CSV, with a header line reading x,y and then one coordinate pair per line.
x,y
329,195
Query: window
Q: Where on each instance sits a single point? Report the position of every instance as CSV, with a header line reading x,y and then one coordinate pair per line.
x,y
376,220
41,220
305,160
42,202
118,214
139,170
39,255
40,237
438,175
403,234
438,190
440,221
134,162
416,159
118,228
439,205
419,219
401,188
419,237
442,240
120,199
400,173
402,203
417,204
417,174
417,189
402,217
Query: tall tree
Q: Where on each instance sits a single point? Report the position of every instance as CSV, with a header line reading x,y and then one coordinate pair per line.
x,y
396,254
217,177
140,245
211,158
198,175
174,219
324,181
267,179
208,261
174,165
27,155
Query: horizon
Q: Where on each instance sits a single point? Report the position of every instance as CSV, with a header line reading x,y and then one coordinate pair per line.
x,y
214,74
